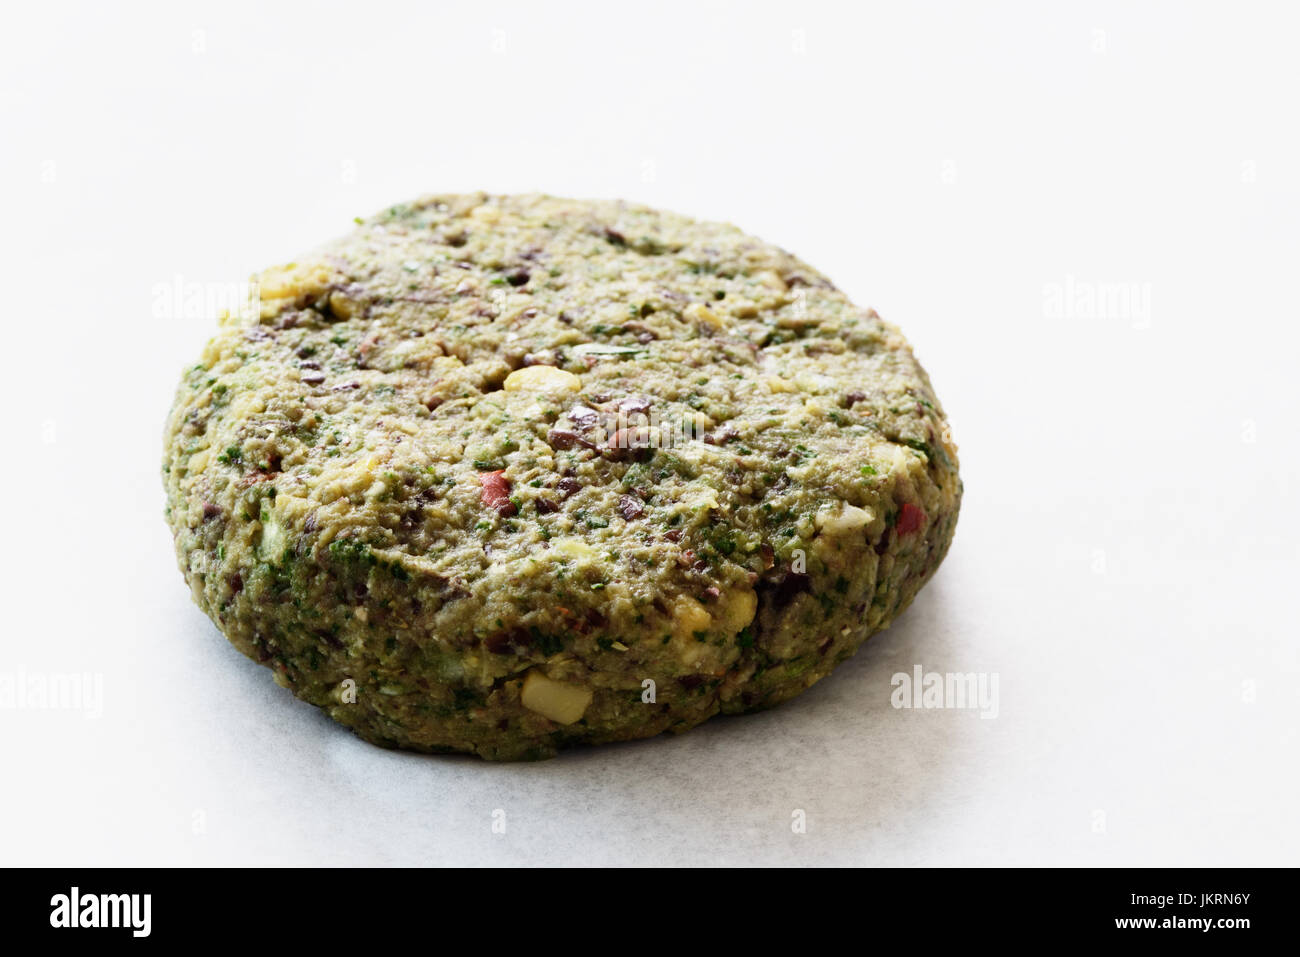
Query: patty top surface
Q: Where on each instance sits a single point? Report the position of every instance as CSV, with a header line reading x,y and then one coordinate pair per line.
x,y
543,414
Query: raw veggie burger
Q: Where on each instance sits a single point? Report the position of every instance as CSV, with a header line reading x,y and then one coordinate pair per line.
x,y
503,474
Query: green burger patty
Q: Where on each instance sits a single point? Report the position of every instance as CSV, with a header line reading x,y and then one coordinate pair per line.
x,y
502,474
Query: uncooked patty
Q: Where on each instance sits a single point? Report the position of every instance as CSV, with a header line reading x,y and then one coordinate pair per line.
x,y
502,474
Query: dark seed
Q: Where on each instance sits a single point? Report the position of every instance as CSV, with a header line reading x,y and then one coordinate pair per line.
x,y
559,439
583,416
634,404
781,592
514,641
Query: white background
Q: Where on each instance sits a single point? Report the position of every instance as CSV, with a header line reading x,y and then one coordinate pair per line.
x,y
1126,560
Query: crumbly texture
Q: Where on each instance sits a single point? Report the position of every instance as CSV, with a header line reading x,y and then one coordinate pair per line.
x,y
502,474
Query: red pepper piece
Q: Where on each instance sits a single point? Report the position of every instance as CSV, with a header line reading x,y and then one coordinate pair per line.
x,y
496,492
910,519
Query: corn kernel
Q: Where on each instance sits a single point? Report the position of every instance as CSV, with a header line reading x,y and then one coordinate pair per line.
x,y
689,616
561,702
847,519
541,379
703,314
738,609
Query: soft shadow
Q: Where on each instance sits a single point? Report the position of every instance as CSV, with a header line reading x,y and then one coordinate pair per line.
x,y
726,792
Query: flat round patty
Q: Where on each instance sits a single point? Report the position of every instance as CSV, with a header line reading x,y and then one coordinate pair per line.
x,y
501,474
